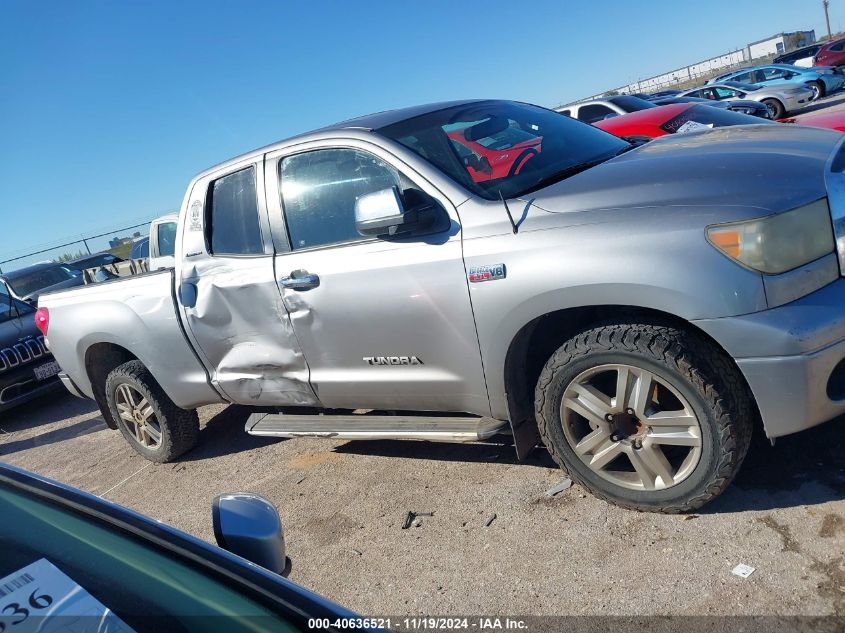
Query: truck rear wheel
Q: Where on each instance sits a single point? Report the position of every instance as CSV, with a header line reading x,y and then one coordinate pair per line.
x,y
149,420
647,416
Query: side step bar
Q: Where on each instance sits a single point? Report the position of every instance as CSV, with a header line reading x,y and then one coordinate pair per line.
x,y
368,427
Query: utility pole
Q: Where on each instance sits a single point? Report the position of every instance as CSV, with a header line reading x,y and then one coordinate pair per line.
x,y
826,3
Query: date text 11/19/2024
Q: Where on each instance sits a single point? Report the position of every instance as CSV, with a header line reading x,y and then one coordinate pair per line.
x,y
481,624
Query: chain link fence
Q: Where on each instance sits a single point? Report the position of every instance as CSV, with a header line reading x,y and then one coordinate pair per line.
x,y
117,241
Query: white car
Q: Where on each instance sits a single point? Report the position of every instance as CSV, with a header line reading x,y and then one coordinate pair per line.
x,y
802,57
604,108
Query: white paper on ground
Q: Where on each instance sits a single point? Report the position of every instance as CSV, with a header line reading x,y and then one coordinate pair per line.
x,y
742,570
40,598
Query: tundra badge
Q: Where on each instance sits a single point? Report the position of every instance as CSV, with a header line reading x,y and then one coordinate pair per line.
x,y
392,360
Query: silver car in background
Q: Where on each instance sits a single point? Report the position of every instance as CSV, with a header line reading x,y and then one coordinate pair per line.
x,y
780,99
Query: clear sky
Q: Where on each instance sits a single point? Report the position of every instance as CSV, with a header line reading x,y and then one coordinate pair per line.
x,y
108,108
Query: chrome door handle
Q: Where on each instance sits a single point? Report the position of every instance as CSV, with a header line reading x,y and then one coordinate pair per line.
x,y
300,280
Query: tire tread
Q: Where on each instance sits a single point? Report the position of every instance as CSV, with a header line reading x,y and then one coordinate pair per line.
x,y
713,374
182,424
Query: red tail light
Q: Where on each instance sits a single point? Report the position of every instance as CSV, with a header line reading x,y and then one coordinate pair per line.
x,y
42,320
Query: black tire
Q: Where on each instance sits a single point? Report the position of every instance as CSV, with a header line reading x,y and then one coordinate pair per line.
x,y
775,107
818,89
179,428
707,379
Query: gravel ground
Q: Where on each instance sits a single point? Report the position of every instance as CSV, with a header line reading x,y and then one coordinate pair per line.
x,y
343,505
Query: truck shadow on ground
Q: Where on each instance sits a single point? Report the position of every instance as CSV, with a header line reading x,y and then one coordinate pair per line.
x,y
803,469
807,468
55,407
42,412
224,434
498,450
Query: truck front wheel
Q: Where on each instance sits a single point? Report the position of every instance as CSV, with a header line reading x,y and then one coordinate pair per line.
x,y
149,420
647,416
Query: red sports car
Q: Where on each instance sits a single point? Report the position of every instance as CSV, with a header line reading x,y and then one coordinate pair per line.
x,y
688,117
831,119
488,155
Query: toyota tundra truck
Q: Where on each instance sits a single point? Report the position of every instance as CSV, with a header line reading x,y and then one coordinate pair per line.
x,y
637,309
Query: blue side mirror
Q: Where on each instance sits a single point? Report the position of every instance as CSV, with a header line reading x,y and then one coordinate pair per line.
x,y
248,525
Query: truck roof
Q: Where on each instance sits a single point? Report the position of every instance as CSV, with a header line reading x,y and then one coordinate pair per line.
x,y
367,123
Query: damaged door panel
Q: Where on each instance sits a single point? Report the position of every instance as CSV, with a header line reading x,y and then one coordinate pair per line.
x,y
231,302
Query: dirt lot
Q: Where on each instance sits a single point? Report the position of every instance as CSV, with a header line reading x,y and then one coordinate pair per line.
x,y
343,504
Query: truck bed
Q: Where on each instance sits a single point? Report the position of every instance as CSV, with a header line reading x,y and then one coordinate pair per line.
x,y
137,314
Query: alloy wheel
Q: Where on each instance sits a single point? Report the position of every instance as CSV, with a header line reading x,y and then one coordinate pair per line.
x,y
631,427
138,416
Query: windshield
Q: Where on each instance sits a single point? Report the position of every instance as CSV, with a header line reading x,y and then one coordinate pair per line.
x,y
26,283
699,117
494,147
631,104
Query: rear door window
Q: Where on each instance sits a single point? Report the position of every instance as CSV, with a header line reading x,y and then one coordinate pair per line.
x,y
232,224
593,112
166,239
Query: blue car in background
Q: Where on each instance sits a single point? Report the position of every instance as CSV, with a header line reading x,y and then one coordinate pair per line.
x,y
822,79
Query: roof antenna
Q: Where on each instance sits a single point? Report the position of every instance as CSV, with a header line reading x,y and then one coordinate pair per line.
x,y
508,211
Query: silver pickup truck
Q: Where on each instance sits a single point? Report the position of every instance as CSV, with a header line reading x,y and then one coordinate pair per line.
x,y
462,269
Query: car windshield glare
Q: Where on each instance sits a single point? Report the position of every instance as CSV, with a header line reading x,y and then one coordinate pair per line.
x,y
26,283
498,148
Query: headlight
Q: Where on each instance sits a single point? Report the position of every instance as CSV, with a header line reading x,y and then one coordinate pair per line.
x,y
777,243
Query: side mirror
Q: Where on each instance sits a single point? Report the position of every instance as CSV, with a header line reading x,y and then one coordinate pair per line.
x,y
382,213
248,525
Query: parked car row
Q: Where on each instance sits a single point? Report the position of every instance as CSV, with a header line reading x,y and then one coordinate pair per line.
x,y
28,283
768,91
822,80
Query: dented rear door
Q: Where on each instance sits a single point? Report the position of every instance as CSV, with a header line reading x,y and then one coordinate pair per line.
x,y
230,301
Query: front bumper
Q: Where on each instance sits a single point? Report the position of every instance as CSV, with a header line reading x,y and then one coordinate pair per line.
x,y
793,358
24,390
798,100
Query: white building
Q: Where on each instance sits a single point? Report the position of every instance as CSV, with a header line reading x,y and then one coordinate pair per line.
x,y
780,43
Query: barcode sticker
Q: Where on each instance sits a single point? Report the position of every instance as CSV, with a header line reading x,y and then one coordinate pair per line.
x,y
15,583
43,599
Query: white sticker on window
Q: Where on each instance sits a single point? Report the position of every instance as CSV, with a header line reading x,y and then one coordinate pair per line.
x,y
41,598
195,214
693,126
